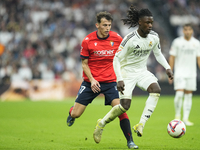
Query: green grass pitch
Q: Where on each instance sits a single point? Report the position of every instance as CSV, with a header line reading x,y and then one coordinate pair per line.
x,y
42,126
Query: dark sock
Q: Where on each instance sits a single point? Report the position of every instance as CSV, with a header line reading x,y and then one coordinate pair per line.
x,y
125,126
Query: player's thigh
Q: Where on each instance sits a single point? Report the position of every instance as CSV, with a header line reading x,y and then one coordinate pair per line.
x,y
85,94
191,84
129,83
179,83
145,79
111,93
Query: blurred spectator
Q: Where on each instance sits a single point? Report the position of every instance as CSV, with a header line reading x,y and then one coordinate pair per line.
x,y
68,75
29,51
59,65
36,73
48,74
25,71
19,84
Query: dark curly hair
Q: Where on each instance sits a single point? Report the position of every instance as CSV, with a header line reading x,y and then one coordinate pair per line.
x,y
133,16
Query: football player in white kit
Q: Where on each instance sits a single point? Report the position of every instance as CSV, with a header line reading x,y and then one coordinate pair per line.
x,y
184,55
130,68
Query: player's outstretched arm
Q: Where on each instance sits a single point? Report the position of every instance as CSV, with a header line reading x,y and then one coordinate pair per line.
x,y
117,68
161,59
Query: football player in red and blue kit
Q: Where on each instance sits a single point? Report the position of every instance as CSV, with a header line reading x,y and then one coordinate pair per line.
x,y
97,52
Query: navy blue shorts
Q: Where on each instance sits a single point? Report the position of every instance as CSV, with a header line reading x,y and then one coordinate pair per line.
x,y
86,95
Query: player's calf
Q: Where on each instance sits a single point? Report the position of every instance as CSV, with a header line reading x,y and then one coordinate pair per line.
x,y
70,120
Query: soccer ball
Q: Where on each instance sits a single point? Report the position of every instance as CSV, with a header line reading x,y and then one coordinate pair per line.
x,y
176,128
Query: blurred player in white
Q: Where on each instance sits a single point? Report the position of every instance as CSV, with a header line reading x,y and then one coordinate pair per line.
x,y
130,68
184,55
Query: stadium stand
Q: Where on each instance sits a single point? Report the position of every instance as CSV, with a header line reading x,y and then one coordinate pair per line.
x,y
42,37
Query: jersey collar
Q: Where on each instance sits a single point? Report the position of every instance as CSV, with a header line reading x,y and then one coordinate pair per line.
x,y
138,35
102,38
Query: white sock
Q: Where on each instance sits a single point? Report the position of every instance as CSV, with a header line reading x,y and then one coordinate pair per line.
x,y
112,114
187,105
149,107
178,103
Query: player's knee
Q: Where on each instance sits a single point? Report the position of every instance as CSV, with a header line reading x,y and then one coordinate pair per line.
x,y
154,88
126,106
157,90
125,103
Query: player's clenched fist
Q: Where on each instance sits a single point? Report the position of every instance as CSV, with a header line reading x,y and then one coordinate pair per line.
x,y
170,74
120,86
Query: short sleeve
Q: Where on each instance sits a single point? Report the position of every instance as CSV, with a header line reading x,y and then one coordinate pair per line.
x,y
84,54
123,48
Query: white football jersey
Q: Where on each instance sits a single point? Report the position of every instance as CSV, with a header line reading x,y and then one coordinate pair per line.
x,y
186,53
134,51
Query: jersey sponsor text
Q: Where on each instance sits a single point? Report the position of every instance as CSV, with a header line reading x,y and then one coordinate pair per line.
x,y
104,53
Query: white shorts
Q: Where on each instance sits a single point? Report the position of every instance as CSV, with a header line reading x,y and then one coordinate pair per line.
x,y
189,84
142,80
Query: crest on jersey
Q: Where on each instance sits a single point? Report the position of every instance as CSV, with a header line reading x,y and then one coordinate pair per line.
x,y
111,43
150,44
95,43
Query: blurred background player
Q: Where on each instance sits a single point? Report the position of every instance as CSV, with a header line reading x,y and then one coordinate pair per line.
x,y
184,55
130,68
97,52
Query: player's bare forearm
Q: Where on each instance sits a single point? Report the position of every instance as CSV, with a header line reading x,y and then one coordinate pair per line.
x,y
86,69
171,61
198,61
170,74
95,86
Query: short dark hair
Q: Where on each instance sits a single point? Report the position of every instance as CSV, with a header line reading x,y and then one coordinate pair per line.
x,y
104,14
187,25
133,15
144,12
